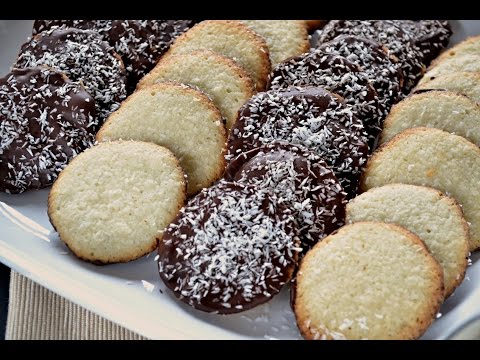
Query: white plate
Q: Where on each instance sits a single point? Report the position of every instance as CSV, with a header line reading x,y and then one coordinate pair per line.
x,y
29,245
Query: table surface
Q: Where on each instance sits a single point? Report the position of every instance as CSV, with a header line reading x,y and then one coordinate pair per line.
x,y
4,281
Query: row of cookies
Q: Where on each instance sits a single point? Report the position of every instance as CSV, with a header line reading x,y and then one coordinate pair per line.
x,y
216,277
425,179
40,133
294,115
181,105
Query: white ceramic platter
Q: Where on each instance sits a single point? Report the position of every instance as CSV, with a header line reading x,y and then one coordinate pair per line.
x,y
121,293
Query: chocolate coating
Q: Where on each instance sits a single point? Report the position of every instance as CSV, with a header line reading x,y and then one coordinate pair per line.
x,y
373,59
388,33
83,56
301,180
310,117
431,36
44,123
140,43
338,75
231,248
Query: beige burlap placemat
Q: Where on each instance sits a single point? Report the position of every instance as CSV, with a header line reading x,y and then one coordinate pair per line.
x,y
35,313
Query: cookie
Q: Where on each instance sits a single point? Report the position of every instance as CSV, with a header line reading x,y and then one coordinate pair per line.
x,y
444,110
436,219
140,43
83,56
374,60
113,200
389,33
368,281
232,39
285,38
469,46
433,158
447,65
231,248
301,179
338,75
430,36
227,83
180,118
466,83
310,117
44,122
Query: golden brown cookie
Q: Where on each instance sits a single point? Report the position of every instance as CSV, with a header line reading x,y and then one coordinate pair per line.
x,y
112,201
368,281
221,78
436,218
180,118
232,39
433,158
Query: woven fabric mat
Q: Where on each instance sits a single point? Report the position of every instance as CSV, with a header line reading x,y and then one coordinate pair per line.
x,y
35,313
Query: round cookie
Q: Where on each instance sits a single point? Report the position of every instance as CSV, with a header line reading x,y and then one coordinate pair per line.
x,y
444,110
301,179
447,65
83,56
231,248
44,123
140,43
227,83
433,158
285,38
466,83
338,75
373,58
430,36
180,118
112,201
310,117
436,219
232,39
469,46
369,280
388,33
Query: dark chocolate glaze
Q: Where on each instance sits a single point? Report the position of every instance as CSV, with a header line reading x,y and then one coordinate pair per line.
x,y
303,182
311,117
431,36
44,120
140,43
231,248
336,74
388,33
373,59
83,56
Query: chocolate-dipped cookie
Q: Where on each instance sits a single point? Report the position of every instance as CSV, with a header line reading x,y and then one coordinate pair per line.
x,y
140,43
231,248
338,75
303,182
389,33
44,121
83,56
374,60
311,117
431,36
